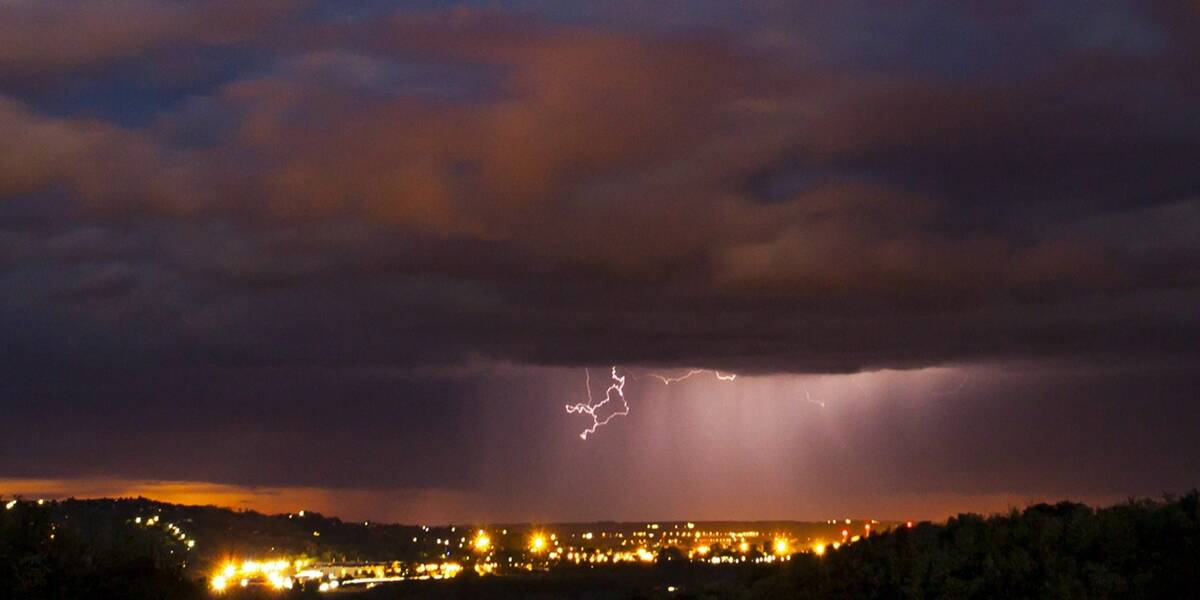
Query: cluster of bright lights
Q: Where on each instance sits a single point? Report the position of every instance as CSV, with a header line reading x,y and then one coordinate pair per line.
x,y
276,574
544,550
618,386
171,529
281,575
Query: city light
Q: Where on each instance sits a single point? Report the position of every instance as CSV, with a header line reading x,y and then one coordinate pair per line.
x,y
278,574
514,551
482,542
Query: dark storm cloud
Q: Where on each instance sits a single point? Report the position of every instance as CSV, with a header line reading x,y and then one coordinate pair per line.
x,y
196,199
649,194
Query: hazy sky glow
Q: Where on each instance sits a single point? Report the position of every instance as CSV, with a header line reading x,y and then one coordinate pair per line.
x,y
358,254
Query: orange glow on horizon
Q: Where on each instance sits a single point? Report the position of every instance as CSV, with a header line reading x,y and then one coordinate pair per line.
x,y
354,504
389,505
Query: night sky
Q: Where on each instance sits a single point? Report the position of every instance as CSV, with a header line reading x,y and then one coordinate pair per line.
x,y
357,256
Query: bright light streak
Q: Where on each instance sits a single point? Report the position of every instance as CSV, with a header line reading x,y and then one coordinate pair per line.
x,y
10,505
810,398
618,386
693,372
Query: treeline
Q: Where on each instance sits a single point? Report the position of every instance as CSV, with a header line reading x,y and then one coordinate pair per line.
x,y
85,555
1139,549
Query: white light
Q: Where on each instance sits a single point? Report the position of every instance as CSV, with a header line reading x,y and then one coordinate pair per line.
x,y
618,386
10,505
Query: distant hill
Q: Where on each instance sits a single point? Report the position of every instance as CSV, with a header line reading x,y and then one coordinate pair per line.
x,y
200,536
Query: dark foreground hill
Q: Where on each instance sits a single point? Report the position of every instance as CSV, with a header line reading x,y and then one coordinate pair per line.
x,y
1139,549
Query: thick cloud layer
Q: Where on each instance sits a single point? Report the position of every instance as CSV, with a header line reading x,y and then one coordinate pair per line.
x,y
810,189
434,185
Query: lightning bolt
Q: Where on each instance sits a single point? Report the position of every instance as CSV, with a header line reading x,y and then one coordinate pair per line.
x,y
670,380
810,398
618,386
